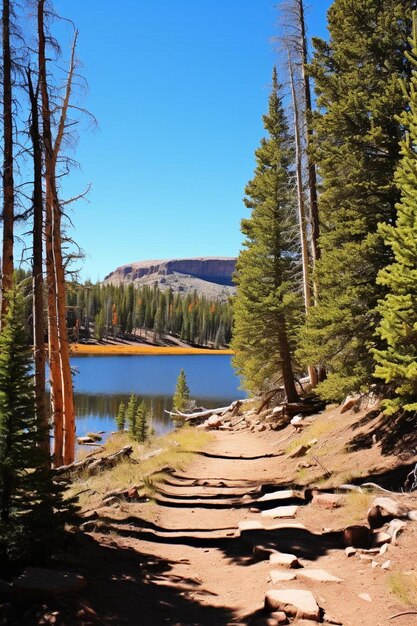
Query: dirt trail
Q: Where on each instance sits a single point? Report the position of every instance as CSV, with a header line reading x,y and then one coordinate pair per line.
x,y
181,561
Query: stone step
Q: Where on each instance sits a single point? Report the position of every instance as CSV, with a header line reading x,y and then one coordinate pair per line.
x,y
318,574
278,576
283,494
286,560
294,602
281,511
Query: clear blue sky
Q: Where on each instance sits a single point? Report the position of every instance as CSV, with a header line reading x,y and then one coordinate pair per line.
x,y
178,88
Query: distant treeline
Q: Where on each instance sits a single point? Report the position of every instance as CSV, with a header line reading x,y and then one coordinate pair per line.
x,y
101,311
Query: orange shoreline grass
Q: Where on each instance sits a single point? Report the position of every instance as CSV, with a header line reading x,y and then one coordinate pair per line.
x,y
81,349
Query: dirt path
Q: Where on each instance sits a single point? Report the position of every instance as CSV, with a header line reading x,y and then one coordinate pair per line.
x,y
181,560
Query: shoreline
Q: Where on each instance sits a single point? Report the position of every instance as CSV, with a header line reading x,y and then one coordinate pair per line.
x,y
79,349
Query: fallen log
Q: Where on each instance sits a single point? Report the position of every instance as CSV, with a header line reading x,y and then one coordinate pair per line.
x,y
188,417
92,464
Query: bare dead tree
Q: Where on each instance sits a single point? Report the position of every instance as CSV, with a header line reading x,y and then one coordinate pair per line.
x,y
8,182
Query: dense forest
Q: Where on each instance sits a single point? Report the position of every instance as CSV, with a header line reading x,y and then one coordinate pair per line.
x,y
102,311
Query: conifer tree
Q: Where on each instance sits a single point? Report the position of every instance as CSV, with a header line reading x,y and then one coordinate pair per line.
x,y
268,306
356,147
131,416
32,509
182,393
142,427
121,417
397,361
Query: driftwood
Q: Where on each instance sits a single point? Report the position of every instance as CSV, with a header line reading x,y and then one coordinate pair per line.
x,y
92,464
188,417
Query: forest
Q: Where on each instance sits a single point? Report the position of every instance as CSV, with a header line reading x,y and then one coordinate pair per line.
x,y
326,276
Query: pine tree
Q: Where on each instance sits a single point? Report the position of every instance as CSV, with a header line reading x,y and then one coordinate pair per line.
x,y
397,361
32,509
267,306
121,417
356,147
182,393
131,416
142,426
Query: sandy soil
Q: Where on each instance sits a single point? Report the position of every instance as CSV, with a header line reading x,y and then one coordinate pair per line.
x,y
180,561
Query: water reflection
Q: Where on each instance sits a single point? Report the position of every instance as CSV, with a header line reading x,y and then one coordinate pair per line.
x,y
101,383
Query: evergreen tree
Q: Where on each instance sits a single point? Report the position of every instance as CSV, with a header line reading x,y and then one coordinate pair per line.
x,y
182,393
356,139
267,306
142,426
131,416
397,361
32,509
121,417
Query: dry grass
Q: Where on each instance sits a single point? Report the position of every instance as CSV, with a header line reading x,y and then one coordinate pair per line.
x,y
404,586
317,430
356,506
80,349
177,448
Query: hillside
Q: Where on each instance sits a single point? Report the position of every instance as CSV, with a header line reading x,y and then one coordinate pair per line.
x,y
209,276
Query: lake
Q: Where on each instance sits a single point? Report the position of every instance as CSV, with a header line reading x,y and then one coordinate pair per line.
x,y
102,382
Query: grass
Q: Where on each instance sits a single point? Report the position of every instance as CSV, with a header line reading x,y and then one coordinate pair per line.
x,y
317,430
178,448
79,348
404,586
356,506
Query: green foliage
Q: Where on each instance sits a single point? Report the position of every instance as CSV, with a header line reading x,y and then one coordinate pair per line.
x,y
268,306
397,361
142,427
121,417
195,319
181,398
356,139
131,416
32,509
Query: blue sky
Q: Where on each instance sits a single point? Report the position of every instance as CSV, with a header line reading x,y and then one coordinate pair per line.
x,y
178,88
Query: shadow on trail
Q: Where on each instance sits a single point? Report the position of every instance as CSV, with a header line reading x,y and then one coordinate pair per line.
x,y
141,523
228,457
126,588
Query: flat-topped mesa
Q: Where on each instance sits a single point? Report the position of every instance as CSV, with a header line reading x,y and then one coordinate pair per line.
x,y
211,276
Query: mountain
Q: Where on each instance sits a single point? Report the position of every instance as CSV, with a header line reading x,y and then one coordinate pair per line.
x,y
209,276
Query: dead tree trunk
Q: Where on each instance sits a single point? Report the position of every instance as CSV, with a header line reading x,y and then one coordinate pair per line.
x,y
301,207
37,274
63,403
8,182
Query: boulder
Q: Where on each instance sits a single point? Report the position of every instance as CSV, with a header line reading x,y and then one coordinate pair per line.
x,y
349,403
328,500
294,602
214,421
286,560
37,583
281,511
298,451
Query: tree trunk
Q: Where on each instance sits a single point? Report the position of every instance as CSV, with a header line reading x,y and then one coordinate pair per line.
x,y
286,367
301,210
8,183
63,407
37,277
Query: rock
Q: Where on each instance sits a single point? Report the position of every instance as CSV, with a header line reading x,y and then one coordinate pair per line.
x,y
132,493
277,410
328,619
350,551
383,549
328,500
303,465
298,451
349,403
357,536
250,525
254,510
283,494
277,576
294,602
214,421
365,596
95,436
281,511
37,583
287,560
379,538
365,557
386,564
319,575
374,564
287,526
261,427
84,440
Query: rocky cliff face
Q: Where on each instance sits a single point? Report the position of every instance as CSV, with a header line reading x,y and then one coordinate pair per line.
x,y
211,276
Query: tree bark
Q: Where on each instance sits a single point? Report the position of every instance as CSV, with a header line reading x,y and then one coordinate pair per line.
x,y
37,276
286,367
8,182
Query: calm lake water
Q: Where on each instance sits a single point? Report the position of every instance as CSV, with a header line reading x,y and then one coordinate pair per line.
x,y
102,382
